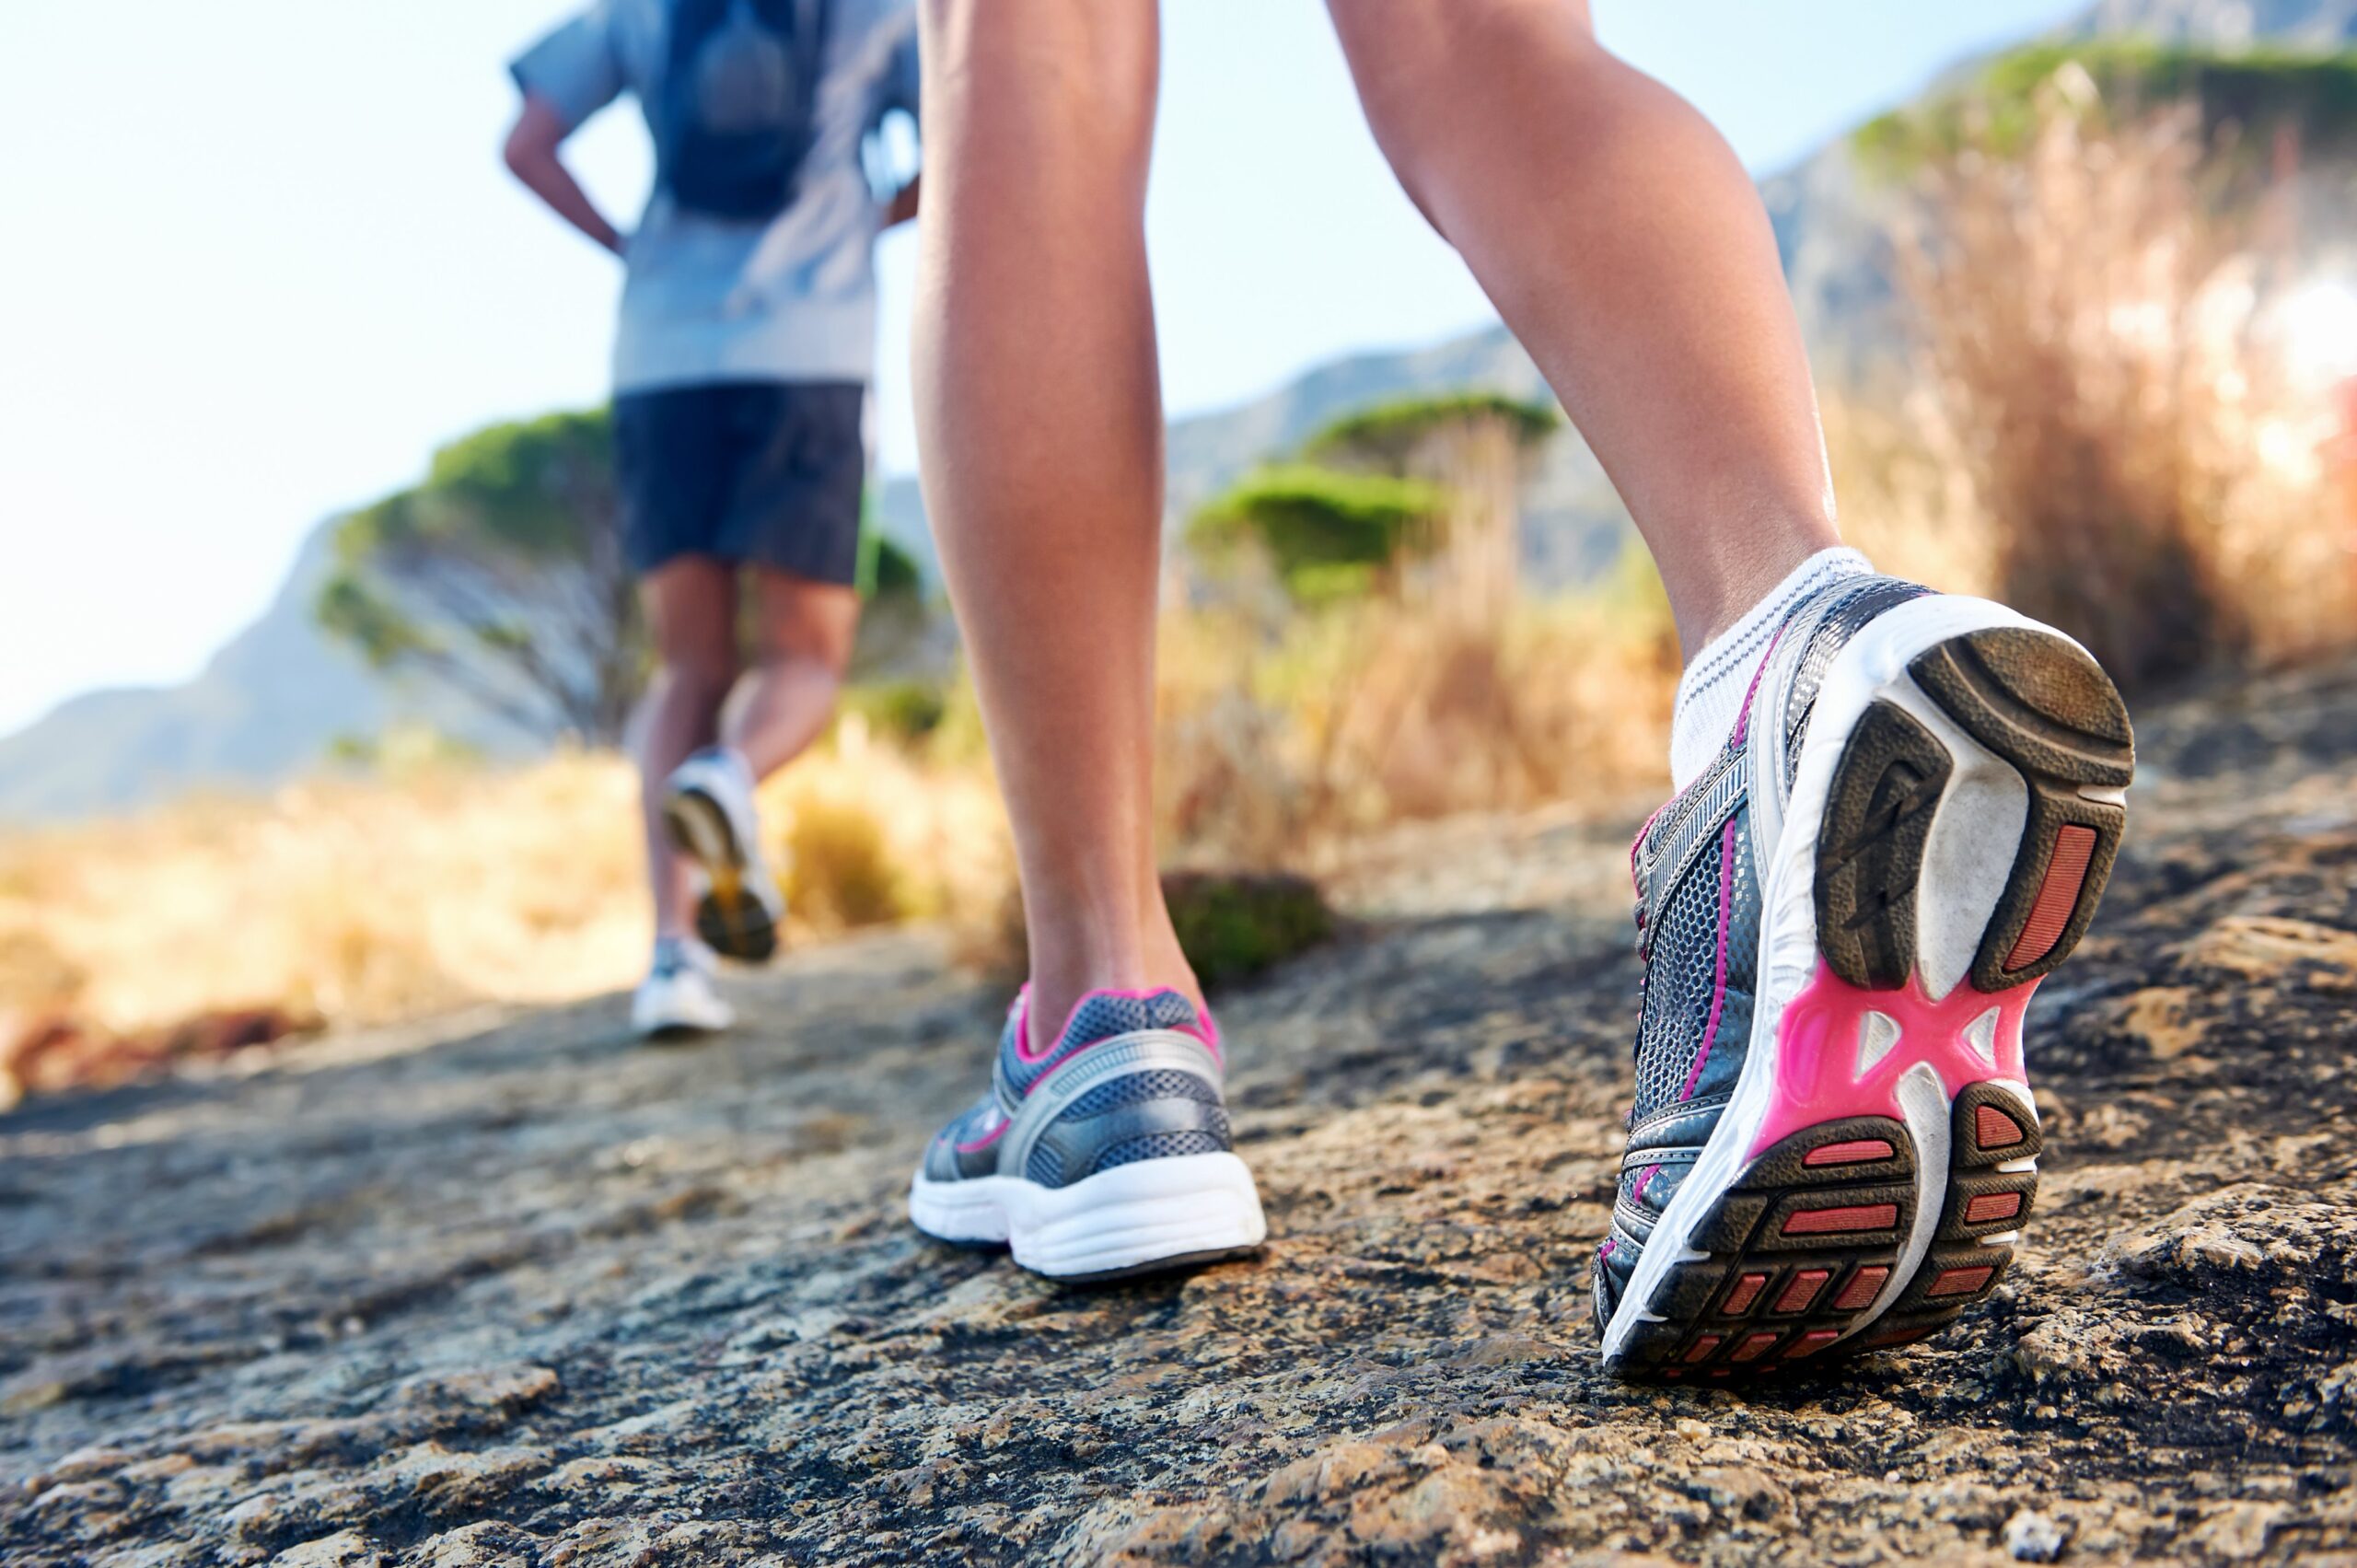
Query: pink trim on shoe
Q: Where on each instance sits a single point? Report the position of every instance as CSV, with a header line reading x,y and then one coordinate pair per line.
x,y
984,1142
1817,1041
1719,994
1203,1030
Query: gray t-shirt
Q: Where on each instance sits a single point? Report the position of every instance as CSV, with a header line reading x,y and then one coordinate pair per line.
x,y
710,299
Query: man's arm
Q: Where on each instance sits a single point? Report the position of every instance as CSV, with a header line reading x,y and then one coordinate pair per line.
x,y
532,156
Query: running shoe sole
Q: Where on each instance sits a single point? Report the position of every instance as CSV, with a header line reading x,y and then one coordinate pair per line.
x,y
730,918
680,1032
1955,812
1133,1219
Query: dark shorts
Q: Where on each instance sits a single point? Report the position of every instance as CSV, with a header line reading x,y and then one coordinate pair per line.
x,y
764,473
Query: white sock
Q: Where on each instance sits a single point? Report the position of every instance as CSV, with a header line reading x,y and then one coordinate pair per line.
x,y
1711,692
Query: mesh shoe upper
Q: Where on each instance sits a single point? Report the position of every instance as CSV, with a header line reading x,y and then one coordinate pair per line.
x,y
1133,1076
1699,910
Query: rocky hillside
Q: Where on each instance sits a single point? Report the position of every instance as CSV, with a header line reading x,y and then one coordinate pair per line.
x,y
518,1291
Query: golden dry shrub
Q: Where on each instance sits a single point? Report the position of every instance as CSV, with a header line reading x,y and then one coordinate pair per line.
x,y
1277,750
2105,335
365,898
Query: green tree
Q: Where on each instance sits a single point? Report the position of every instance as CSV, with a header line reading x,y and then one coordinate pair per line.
x,y
1329,534
1401,434
501,577
1472,447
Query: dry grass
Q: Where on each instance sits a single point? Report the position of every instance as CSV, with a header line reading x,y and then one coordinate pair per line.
x,y
436,884
360,900
1282,744
2105,340
2107,439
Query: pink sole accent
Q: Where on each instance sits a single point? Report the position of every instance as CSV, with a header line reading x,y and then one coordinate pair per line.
x,y
1857,1216
1811,1342
2058,897
1992,1207
1992,1129
1858,1151
1701,1350
1864,1286
1959,1282
1802,1290
1753,1348
1747,1290
1817,1049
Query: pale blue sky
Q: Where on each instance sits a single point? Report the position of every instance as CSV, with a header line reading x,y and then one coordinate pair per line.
x,y
258,258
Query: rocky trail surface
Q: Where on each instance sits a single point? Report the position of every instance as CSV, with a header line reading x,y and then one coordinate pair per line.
x,y
517,1290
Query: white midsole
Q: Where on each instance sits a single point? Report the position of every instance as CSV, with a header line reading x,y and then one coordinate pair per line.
x,y
1128,1217
1873,667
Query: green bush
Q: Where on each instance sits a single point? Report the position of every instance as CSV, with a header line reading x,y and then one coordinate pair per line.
x,y
1233,925
1315,520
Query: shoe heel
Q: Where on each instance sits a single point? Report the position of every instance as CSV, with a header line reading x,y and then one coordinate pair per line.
x,y
729,919
2042,751
2040,702
698,829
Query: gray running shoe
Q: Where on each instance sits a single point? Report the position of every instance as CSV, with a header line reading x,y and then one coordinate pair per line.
x,y
1105,1154
1833,1144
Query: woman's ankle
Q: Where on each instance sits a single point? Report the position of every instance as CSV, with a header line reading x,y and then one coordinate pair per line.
x,y
1057,992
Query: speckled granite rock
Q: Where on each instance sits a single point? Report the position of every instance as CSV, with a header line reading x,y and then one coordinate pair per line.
x,y
518,1291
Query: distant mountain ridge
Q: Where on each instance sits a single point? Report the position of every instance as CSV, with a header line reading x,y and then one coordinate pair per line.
x,y
271,702
2226,24
265,707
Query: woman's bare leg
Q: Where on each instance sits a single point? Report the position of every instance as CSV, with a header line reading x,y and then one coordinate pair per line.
x,y
1040,413
1626,246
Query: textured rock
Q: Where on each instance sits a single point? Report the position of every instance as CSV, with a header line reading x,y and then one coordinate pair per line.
x,y
524,1292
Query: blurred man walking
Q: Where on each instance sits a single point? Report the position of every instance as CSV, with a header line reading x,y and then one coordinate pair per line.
x,y
741,367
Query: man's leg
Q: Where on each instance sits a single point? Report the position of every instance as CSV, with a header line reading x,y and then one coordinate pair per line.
x,y
1625,245
1039,408
691,604
802,643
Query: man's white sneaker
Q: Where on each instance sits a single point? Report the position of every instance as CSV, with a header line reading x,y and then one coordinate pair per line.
x,y
678,998
708,810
